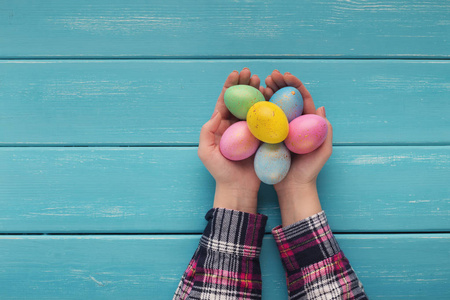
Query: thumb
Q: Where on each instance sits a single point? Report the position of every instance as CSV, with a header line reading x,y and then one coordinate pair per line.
x,y
327,146
207,135
321,112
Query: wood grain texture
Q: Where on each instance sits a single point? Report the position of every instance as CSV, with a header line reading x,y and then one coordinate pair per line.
x,y
150,267
147,73
359,28
165,102
167,189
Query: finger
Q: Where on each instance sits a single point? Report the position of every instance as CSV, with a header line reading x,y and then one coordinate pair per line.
x,y
321,112
231,80
328,143
254,81
268,93
278,78
308,103
263,91
270,83
244,76
207,135
327,146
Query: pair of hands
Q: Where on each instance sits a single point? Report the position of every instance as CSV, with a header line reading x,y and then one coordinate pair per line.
x,y
236,182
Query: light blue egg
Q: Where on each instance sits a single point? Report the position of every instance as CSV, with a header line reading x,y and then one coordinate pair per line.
x,y
272,162
290,100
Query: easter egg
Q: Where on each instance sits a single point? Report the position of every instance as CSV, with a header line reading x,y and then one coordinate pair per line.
x,y
290,101
239,98
267,122
306,133
272,162
237,142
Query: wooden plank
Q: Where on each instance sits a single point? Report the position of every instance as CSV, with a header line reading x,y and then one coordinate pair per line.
x,y
139,267
148,102
395,28
167,189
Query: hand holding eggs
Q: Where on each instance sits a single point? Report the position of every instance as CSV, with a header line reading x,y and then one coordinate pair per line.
x,y
278,123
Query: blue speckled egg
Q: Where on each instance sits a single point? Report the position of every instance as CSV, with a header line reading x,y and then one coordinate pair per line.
x,y
290,100
272,162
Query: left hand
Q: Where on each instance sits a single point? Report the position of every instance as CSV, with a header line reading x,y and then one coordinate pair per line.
x,y
236,182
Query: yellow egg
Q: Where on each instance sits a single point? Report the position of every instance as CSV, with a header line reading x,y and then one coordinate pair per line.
x,y
267,122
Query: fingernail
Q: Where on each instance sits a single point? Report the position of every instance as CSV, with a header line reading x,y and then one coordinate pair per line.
x,y
245,68
287,73
324,113
214,114
277,71
235,71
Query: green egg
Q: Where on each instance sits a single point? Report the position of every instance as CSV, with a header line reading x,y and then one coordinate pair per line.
x,y
239,99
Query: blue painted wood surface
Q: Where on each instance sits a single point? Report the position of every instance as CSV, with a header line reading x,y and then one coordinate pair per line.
x,y
167,189
149,267
394,28
148,102
133,81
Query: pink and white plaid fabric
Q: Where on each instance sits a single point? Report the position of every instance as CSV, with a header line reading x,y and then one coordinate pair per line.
x,y
316,268
226,262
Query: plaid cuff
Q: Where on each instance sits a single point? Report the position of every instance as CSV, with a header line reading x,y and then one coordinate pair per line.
x,y
306,242
234,232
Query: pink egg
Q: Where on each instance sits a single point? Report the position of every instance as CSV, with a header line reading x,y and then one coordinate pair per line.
x,y
237,142
306,133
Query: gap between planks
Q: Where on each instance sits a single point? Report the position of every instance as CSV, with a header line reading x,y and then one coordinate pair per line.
x,y
231,57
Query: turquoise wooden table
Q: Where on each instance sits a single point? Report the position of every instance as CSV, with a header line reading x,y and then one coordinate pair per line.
x,y
102,195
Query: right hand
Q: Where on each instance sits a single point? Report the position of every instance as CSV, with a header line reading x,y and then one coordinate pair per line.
x,y
304,167
297,192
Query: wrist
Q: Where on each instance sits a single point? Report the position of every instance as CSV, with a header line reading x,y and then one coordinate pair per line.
x,y
298,203
236,198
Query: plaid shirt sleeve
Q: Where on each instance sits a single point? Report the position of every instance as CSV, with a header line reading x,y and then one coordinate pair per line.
x,y
226,264
316,267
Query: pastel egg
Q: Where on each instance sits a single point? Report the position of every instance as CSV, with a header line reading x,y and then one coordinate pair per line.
x,y
272,162
239,98
306,133
268,122
290,101
237,142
